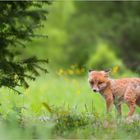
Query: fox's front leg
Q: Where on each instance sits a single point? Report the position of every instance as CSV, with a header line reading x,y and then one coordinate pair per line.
x,y
109,102
117,103
118,108
107,93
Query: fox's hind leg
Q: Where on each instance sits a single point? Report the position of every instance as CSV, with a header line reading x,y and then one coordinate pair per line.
x,y
130,99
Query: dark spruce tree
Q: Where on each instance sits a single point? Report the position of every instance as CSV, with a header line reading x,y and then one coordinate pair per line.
x,y
18,20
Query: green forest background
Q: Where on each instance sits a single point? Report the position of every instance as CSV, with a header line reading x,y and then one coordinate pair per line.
x,y
96,35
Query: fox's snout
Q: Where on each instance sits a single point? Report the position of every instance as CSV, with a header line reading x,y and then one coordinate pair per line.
x,y
95,90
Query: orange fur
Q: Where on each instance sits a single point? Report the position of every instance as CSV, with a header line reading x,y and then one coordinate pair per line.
x,y
116,91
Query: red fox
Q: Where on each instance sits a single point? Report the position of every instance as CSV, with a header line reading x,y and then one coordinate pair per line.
x,y
116,91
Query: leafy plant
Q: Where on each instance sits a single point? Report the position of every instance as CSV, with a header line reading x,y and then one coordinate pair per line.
x,y
18,22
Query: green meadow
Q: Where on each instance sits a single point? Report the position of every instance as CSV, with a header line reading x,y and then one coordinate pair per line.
x,y
62,107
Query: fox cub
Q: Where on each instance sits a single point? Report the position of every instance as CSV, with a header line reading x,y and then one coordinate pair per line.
x,y
116,91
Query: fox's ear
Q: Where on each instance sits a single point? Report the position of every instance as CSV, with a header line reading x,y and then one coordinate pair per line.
x,y
107,70
90,70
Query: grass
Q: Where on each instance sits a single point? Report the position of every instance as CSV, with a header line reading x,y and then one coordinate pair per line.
x,y
58,106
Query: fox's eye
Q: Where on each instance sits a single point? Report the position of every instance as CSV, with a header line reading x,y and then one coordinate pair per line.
x,y
91,82
100,82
